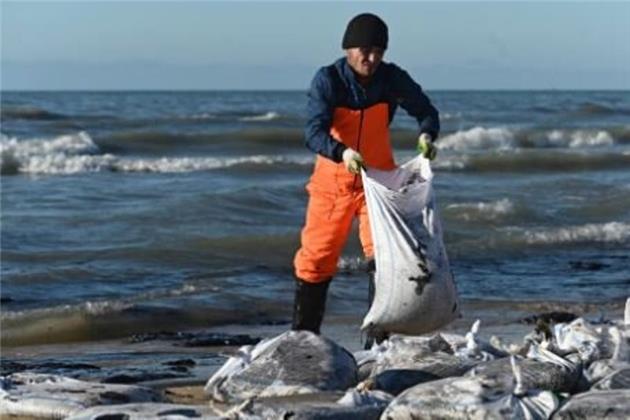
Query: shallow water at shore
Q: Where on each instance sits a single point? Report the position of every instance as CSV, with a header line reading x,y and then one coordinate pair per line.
x,y
167,361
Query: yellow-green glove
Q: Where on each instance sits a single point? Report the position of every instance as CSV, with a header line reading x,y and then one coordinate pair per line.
x,y
353,160
426,147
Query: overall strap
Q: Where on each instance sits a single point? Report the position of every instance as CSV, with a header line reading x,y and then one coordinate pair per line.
x,y
339,87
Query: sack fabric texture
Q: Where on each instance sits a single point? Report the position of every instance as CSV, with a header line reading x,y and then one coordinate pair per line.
x,y
415,291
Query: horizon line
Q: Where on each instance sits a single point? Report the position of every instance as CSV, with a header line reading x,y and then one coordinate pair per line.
x,y
442,89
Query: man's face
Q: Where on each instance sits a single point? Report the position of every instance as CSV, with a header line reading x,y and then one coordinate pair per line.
x,y
365,60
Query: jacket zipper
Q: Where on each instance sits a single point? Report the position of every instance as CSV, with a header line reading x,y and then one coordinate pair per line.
x,y
354,182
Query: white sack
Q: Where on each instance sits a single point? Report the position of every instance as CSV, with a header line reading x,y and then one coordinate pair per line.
x,y
56,397
415,292
293,363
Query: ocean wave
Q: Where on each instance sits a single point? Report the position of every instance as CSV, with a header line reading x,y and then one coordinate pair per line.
x,y
450,163
592,108
594,232
173,165
481,210
542,109
200,116
545,161
28,113
26,156
504,240
90,308
235,116
478,138
105,307
351,264
269,116
503,138
578,138
120,317
134,141
71,154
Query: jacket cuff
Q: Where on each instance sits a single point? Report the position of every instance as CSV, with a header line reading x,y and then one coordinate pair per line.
x,y
433,134
337,155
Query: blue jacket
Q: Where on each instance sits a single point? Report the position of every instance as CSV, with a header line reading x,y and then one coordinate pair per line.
x,y
336,86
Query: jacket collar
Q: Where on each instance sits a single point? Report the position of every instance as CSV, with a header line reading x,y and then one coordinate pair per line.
x,y
359,91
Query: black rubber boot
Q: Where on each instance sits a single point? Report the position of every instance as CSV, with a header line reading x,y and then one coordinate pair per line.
x,y
372,336
309,305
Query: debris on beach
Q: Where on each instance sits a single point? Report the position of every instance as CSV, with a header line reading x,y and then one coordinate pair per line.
x,y
465,377
401,362
578,369
365,405
53,396
357,398
613,373
472,347
618,379
540,370
143,411
295,362
609,405
8,367
136,376
197,339
473,397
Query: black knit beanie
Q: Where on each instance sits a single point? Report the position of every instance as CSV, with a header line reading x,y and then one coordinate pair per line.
x,y
365,30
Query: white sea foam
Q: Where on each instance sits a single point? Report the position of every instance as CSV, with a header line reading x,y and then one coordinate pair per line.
x,y
482,210
202,164
351,263
71,144
450,162
105,307
579,138
501,138
479,138
90,308
202,116
71,154
269,116
593,232
450,116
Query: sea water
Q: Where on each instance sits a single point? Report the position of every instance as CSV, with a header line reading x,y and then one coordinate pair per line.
x,y
124,212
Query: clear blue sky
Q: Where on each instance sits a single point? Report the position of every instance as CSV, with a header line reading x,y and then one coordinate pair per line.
x,y
279,45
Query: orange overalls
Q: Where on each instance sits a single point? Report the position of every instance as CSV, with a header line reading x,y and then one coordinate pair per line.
x,y
336,195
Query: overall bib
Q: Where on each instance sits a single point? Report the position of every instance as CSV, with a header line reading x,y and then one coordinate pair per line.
x,y
336,196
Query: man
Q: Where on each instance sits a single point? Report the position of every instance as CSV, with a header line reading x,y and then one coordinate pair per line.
x,y
350,106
